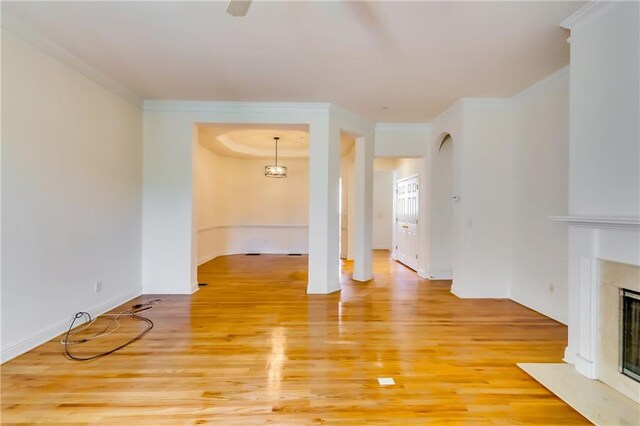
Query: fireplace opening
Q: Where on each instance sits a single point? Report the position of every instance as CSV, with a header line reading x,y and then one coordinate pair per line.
x,y
630,334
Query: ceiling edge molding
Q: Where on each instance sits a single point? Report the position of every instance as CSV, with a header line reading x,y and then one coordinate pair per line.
x,y
537,86
450,109
44,45
261,153
487,102
585,14
351,117
233,107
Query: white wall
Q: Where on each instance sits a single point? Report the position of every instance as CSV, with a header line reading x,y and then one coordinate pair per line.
x,y
71,197
605,129
604,158
450,122
441,209
485,207
540,189
482,133
383,209
401,139
242,211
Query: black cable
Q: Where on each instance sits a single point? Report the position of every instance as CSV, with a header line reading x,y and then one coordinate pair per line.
x,y
128,312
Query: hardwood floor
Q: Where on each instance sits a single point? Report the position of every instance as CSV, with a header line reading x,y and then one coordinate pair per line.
x,y
253,348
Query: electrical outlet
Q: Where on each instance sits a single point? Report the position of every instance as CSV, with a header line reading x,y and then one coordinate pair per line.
x,y
98,286
552,288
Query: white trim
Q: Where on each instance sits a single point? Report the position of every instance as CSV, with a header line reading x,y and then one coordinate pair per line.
x,y
43,336
585,367
209,228
631,223
240,148
475,294
556,316
207,258
234,107
487,102
210,257
439,275
350,117
46,46
422,274
585,14
457,104
540,85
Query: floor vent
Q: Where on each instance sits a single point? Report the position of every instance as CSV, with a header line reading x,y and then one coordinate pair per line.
x,y
294,254
252,254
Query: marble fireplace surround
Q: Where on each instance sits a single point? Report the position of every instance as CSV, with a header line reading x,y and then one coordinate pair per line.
x,y
604,255
595,243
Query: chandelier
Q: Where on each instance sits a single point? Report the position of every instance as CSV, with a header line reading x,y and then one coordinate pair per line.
x,y
274,170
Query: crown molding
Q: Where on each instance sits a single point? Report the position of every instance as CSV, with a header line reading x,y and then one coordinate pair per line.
x,y
536,87
487,102
238,148
362,124
586,14
35,39
456,105
233,107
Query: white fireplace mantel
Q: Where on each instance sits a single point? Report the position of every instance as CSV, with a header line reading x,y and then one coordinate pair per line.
x,y
592,239
631,223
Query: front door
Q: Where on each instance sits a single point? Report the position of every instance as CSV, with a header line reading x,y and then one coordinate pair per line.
x,y
406,229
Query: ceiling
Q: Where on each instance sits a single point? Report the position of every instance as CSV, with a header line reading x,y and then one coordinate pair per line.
x,y
386,61
256,141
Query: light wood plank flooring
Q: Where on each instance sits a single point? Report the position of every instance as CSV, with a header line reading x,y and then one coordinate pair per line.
x,y
253,348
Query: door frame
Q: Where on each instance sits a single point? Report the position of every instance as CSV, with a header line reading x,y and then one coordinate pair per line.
x,y
394,241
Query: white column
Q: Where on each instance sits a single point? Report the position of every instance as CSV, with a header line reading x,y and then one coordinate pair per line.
x,y
344,231
324,175
362,262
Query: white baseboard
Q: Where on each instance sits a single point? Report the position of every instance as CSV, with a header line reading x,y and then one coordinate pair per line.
x,y
42,336
210,257
569,355
422,274
539,309
439,275
475,295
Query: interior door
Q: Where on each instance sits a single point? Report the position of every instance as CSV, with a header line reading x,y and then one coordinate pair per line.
x,y
406,229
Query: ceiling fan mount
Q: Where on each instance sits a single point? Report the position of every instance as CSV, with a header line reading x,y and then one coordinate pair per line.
x,y
238,7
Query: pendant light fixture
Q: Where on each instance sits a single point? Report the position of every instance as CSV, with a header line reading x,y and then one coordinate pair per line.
x,y
274,170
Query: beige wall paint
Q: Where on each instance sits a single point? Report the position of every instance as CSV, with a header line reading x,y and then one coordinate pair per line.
x,y
71,197
239,210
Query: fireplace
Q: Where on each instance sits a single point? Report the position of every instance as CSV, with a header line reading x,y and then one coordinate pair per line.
x,y
630,334
618,355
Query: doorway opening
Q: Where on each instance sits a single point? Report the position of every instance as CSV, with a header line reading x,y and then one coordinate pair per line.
x,y
241,210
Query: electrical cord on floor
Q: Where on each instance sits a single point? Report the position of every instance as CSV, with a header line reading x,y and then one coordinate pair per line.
x,y
131,312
